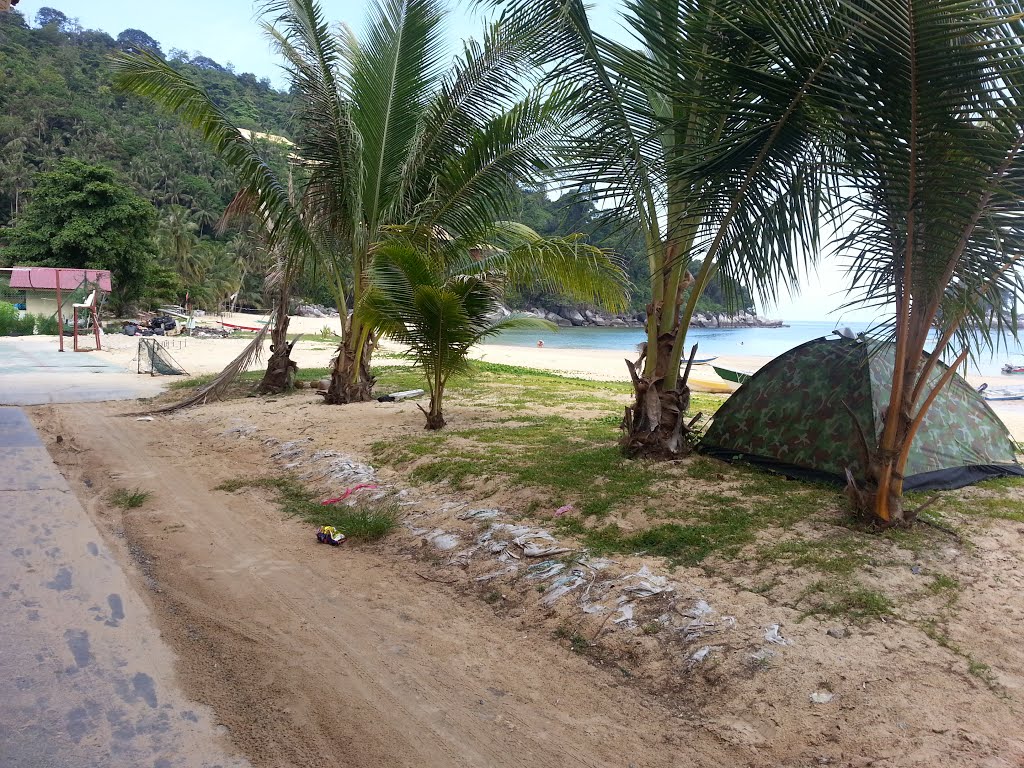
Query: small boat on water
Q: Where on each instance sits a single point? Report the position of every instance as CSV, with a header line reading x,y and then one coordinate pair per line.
x,y
1013,368
1001,393
737,377
703,360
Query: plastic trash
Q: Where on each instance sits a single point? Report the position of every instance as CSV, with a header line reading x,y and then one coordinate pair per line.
x,y
539,544
348,492
773,635
328,534
701,653
822,697
144,418
480,514
564,510
646,584
544,570
561,587
625,614
442,539
512,568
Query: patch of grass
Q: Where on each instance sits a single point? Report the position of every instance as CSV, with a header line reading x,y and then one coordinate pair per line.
x,y
126,499
574,460
652,628
942,584
974,667
852,601
247,379
367,521
843,555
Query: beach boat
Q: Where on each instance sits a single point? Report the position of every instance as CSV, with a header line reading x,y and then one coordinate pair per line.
x,y
1001,393
233,327
703,360
738,377
1013,368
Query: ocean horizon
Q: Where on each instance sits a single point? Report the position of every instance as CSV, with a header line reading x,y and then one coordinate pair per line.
x,y
761,342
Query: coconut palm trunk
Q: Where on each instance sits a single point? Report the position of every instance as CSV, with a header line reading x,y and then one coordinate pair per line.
x,y
929,173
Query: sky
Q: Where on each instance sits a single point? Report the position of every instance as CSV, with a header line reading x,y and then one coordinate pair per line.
x,y
228,31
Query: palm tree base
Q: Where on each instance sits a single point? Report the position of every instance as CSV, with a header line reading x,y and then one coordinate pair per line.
x,y
435,421
865,502
281,370
654,426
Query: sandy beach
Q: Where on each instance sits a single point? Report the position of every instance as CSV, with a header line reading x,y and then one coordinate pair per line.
x,y
206,356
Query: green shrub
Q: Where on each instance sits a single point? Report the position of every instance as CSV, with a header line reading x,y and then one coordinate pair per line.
x,y
46,326
8,319
26,326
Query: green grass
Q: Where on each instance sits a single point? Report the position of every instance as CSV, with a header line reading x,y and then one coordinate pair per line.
x,y
840,598
126,499
841,555
573,460
248,378
366,521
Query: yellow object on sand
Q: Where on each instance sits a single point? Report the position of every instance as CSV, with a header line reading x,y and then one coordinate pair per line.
x,y
714,386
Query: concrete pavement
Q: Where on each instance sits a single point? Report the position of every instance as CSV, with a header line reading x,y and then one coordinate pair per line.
x,y
85,678
35,372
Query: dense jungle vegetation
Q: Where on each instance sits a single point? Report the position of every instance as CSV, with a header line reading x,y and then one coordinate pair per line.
x,y
58,102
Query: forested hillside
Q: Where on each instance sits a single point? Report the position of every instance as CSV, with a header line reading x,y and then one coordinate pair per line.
x,y
57,101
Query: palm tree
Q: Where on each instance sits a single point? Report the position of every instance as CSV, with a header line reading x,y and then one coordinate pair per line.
x,y
438,309
387,139
925,109
177,239
707,165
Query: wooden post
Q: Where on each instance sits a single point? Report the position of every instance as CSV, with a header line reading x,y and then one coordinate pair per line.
x,y
60,315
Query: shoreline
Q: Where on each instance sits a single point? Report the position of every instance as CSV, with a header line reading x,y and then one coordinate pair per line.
x,y
206,356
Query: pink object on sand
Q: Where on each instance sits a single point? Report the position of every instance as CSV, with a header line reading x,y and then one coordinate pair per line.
x,y
348,492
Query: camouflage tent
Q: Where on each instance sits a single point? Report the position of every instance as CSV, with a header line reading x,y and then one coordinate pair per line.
x,y
796,416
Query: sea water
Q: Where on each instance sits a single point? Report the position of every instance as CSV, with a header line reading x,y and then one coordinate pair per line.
x,y
761,342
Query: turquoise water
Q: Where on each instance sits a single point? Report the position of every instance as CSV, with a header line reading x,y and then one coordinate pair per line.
x,y
767,342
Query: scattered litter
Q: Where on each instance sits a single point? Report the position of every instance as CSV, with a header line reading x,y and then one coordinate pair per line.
x,y
328,534
772,635
915,569
837,632
764,655
539,544
625,615
700,609
597,563
822,697
560,587
144,418
442,539
480,514
462,559
512,568
647,584
348,492
594,608
544,570
702,653
564,510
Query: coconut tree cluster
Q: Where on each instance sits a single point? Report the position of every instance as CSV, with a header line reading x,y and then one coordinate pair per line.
x,y
743,139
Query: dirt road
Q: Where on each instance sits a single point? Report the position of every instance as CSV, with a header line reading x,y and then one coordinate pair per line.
x,y
312,656
362,656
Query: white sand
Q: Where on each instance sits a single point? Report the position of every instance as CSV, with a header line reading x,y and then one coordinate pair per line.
x,y
204,356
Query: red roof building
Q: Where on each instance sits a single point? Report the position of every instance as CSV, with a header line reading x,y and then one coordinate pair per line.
x,y
45,278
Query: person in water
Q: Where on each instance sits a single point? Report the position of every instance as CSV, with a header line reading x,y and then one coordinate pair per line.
x,y
540,342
